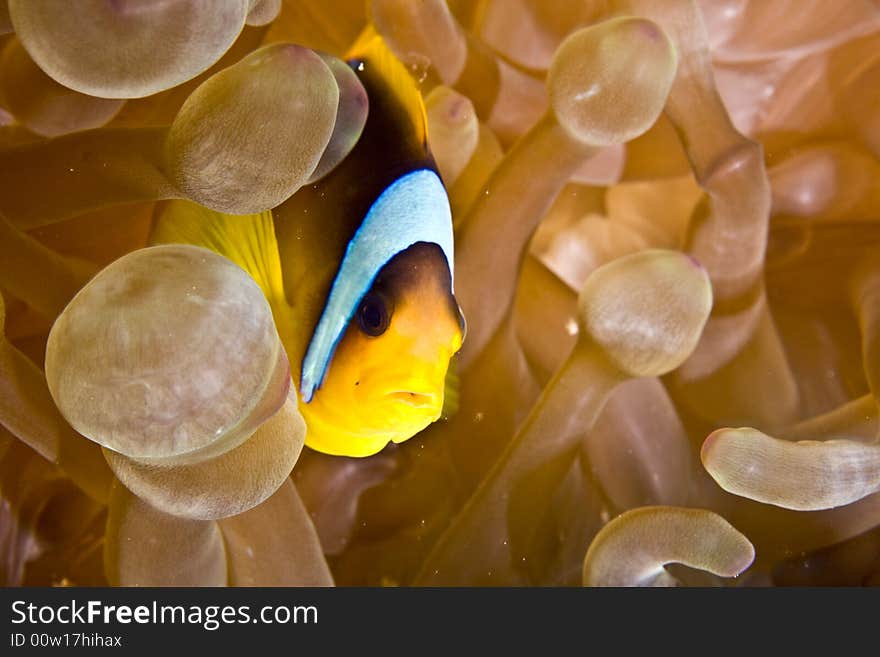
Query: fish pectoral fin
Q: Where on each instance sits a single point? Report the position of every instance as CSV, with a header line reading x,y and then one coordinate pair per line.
x,y
450,390
247,240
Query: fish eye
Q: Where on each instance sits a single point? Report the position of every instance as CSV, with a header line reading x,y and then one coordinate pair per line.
x,y
373,315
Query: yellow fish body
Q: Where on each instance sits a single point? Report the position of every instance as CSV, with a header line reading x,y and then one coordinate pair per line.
x,y
357,268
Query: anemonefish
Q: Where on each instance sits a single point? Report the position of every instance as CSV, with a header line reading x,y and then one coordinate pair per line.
x,y
358,270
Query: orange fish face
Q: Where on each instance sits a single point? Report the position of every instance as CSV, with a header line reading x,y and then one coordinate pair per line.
x,y
387,376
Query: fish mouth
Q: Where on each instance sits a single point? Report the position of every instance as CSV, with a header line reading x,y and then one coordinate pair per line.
x,y
414,398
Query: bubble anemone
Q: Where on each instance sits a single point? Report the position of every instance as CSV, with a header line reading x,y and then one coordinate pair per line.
x,y
563,140
453,131
30,270
262,12
238,114
109,49
274,544
223,486
673,296
145,547
44,106
572,137
659,302
806,475
114,356
28,413
634,548
427,33
603,111
351,116
233,117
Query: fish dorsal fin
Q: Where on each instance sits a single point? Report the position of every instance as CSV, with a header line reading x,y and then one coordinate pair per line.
x,y
413,209
247,240
370,50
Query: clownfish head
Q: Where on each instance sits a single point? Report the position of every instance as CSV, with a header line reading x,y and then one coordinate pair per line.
x,y
386,379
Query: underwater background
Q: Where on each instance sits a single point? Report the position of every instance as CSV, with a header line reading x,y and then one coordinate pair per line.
x,y
664,257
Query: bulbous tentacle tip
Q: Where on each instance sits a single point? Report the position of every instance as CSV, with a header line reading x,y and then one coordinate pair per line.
x,y
170,352
225,485
609,82
453,131
646,310
805,475
262,12
251,135
351,116
634,548
83,49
